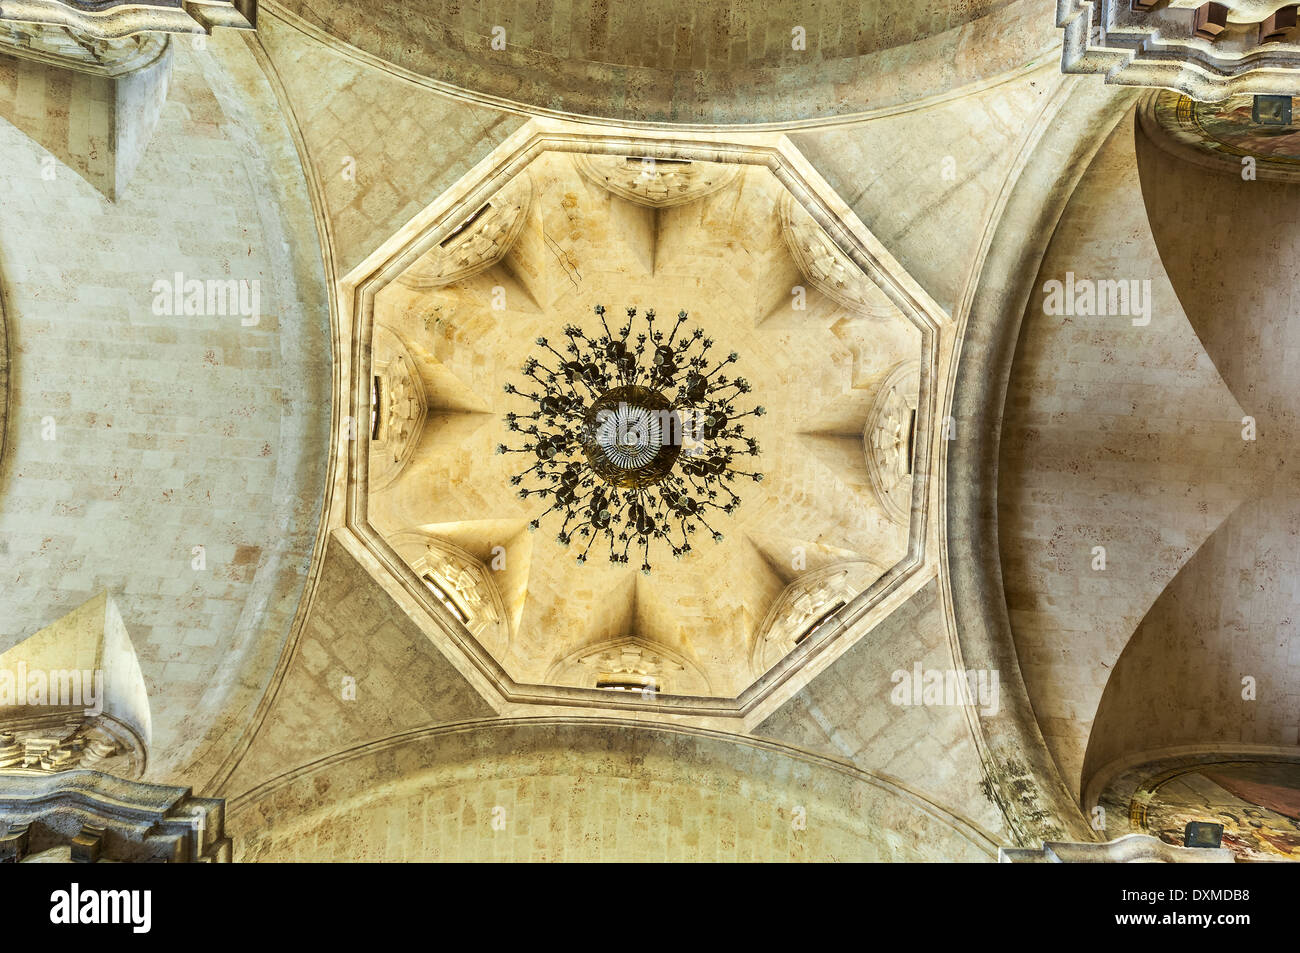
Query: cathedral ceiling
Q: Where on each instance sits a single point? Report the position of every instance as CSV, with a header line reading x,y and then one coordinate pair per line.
x,y
709,62
909,516
1223,631
1145,493
172,458
1067,485
835,358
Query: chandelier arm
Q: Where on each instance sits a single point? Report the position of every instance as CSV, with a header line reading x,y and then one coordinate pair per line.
x,y
681,319
622,472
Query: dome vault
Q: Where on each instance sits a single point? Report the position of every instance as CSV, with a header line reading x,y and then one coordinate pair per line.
x,y
533,261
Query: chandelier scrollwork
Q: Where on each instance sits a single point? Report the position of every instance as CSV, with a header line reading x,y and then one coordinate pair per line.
x,y
636,436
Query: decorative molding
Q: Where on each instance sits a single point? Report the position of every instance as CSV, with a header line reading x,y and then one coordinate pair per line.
x,y
1160,48
127,78
88,817
826,266
125,44
463,579
478,243
398,408
659,670
60,47
1129,849
114,19
802,604
652,182
64,739
888,437
72,696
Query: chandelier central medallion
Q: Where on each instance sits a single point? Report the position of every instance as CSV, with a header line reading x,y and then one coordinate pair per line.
x,y
635,436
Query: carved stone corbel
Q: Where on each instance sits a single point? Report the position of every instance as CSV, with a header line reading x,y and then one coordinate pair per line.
x,y
655,183
804,606
630,664
826,267
72,696
1208,51
461,583
888,440
90,817
477,243
398,408
114,19
124,51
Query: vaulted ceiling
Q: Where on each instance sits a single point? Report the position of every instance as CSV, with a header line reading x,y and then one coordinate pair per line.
x,y
816,364
707,62
334,598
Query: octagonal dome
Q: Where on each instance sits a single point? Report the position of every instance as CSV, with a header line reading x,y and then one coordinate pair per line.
x,y
541,234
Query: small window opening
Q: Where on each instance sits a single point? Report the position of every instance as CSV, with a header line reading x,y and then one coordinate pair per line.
x,y
627,683
641,160
819,622
445,598
911,441
465,224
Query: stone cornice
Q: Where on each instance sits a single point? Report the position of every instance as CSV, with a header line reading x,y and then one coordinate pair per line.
x,y
1129,849
1159,48
113,19
123,820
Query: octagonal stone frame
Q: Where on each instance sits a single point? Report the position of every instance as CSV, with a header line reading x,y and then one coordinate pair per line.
x,y
357,292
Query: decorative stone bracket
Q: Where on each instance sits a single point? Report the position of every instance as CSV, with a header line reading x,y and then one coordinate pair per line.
x,y
124,52
826,266
805,608
476,244
89,817
630,664
1129,849
72,696
398,408
113,19
655,183
1208,51
888,439
461,583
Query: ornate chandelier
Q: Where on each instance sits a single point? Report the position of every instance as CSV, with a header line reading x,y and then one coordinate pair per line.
x,y
635,438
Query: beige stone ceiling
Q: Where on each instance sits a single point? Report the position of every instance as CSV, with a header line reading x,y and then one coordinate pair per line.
x,y
705,62
164,432
1115,437
725,259
1131,438
1112,434
1232,612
